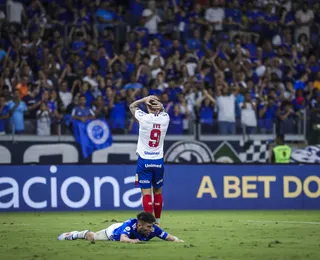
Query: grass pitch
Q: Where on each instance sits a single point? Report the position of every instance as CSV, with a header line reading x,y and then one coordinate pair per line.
x,y
242,235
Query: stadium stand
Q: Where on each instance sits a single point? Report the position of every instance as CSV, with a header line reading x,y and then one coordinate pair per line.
x,y
230,66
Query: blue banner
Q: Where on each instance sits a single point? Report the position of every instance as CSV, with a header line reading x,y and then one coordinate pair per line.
x,y
92,135
186,187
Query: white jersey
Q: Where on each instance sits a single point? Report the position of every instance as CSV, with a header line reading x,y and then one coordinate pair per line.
x,y
152,131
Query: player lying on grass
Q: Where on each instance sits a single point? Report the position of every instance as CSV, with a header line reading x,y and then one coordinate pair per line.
x,y
134,230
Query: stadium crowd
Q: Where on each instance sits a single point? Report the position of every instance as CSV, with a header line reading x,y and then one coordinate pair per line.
x,y
230,65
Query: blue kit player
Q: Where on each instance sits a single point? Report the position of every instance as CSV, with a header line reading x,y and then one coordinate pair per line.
x,y
134,230
150,166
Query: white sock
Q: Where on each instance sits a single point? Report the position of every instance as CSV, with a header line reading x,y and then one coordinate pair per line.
x,y
80,234
158,221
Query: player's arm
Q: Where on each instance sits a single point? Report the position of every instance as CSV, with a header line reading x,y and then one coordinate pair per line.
x,y
135,105
125,239
165,236
174,239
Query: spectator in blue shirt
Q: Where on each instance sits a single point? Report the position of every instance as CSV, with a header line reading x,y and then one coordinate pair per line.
x,y
84,17
51,104
176,121
267,115
85,91
118,108
271,21
107,40
206,105
233,15
82,112
17,108
136,11
287,18
2,52
204,74
194,43
254,17
101,108
133,84
301,83
79,44
286,116
104,15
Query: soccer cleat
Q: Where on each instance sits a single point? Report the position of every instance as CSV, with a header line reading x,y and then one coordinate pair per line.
x,y
67,236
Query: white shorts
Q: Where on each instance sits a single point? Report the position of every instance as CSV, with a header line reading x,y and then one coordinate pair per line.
x,y
109,230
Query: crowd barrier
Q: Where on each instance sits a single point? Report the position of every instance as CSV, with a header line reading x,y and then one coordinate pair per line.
x,y
186,187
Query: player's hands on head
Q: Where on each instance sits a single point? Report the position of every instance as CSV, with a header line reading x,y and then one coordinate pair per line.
x,y
154,102
151,98
156,105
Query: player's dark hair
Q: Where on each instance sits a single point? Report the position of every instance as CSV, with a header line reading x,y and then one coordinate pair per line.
x,y
152,102
146,217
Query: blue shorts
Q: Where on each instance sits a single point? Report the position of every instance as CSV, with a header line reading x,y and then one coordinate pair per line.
x,y
150,173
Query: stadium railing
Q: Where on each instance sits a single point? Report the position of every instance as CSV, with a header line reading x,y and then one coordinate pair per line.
x,y
193,130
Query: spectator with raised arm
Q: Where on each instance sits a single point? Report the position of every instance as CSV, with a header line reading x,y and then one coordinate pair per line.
x,y
176,58
248,114
226,109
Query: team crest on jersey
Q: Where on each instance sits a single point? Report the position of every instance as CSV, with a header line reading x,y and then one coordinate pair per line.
x,y
189,152
141,113
98,131
127,229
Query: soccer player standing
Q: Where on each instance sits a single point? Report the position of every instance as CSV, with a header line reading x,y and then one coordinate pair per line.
x,y
150,165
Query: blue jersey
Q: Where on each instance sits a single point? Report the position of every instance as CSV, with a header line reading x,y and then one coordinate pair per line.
x,y
82,111
129,228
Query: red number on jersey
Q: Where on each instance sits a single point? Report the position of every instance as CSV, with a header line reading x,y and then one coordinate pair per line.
x,y
154,137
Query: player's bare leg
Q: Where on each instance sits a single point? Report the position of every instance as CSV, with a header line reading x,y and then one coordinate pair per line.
x,y
157,204
147,200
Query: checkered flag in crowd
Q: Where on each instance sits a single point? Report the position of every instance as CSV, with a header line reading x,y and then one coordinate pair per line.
x,y
254,151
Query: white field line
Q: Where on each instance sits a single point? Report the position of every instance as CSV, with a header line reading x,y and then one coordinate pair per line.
x,y
284,222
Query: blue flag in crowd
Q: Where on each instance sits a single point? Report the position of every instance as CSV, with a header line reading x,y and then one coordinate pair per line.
x,y
92,135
